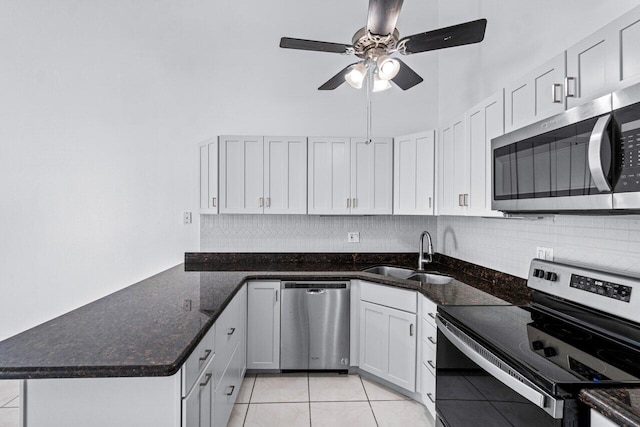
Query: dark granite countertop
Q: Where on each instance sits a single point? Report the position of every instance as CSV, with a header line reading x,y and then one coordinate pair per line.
x,y
145,329
620,405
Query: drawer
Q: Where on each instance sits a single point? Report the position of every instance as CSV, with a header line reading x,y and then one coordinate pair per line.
x,y
389,297
429,310
429,356
429,390
196,362
429,332
230,330
227,389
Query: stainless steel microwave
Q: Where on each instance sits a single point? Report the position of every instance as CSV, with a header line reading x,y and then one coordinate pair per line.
x,y
585,159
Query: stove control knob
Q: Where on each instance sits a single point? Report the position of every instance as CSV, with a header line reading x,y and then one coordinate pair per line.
x,y
537,345
538,273
552,277
549,352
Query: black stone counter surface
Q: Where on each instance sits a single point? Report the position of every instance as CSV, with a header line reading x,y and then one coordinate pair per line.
x,y
147,329
620,405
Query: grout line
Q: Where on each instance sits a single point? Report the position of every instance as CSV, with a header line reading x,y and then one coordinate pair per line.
x,y
369,401
253,386
309,397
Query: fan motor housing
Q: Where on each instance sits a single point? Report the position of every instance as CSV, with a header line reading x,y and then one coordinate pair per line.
x,y
370,46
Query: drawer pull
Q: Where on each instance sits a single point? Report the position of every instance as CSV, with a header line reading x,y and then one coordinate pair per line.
x,y
230,392
207,353
230,331
431,364
208,378
431,340
432,315
431,398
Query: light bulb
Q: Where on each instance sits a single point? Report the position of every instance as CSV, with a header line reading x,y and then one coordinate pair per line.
x,y
355,77
379,84
387,67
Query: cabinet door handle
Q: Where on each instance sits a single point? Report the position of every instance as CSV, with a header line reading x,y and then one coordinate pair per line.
x,y
429,201
466,200
432,340
348,202
354,202
432,315
230,392
207,353
411,330
431,364
460,199
260,201
276,295
431,398
268,202
208,378
213,202
554,93
230,331
568,94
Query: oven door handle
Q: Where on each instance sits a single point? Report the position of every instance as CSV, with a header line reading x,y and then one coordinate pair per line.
x,y
500,370
599,153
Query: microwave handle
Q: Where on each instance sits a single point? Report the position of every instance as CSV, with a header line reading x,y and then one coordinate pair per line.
x,y
599,153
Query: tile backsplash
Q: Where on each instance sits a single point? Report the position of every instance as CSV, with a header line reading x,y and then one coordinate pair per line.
x,y
310,233
508,245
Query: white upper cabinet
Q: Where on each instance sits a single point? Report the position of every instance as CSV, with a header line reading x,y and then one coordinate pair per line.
x,y
605,61
285,175
209,178
348,176
263,174
414,174
450,197
537,95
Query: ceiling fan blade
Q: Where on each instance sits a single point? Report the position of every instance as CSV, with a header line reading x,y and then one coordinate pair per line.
x,y
456,35
338,79
406,77
289,43
383,15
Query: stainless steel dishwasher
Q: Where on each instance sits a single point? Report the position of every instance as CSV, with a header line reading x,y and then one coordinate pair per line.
x,y
314,332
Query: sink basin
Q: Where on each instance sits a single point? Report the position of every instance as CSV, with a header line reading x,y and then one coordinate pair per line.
x,y
435,279
385,270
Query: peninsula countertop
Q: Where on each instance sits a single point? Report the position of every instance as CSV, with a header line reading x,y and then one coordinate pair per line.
x,y
151,327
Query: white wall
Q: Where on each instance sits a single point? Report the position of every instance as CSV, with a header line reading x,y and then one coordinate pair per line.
x,y
302,233
520,35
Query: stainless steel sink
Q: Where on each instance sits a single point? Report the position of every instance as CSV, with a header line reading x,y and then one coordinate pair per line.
x,y
432,278
386,270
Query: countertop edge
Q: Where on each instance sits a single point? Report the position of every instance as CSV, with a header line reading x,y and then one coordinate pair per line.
x,y
608,405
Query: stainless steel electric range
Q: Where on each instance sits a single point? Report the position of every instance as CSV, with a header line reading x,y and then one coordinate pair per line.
x,y
524,365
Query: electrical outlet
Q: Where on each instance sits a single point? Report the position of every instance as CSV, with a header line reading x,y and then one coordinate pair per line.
x,y
549,254
353,237
544,253
187,217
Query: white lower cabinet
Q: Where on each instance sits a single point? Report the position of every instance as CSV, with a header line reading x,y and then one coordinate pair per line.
x,y
197,407
599,420
263,335
427,365
388,338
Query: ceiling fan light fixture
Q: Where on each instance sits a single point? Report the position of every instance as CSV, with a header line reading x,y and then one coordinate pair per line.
x,y
388,67
356,76
379,84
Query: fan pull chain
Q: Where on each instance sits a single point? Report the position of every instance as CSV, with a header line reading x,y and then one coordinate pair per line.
x,y
369,89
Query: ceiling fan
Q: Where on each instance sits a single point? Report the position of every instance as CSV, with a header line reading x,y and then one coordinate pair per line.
x,y
379,39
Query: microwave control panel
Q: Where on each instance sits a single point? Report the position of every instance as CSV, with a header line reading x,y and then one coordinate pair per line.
x,y
629,158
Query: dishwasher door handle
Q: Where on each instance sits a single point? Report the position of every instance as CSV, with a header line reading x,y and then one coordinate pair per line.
x,y
315,291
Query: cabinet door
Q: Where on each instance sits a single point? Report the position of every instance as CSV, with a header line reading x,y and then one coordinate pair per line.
x,y
241,174
537,95
373,332
446,172
401,339
460,167
371,176
591,68
329,176
414,174
209,178
626,34
483,123
197,407
285,175
263,338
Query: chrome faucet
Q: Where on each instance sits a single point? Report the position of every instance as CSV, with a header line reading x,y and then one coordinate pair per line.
x,y
421,257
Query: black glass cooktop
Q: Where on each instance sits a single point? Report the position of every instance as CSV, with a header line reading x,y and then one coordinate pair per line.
x,y
551,351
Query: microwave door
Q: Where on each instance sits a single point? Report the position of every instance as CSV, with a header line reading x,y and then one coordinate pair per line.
x,y
626,135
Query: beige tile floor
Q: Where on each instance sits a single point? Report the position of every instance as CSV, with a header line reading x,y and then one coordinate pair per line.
x,y
293,400
9,403
322,400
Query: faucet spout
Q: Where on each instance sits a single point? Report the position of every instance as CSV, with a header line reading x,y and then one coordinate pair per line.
x,y
422,260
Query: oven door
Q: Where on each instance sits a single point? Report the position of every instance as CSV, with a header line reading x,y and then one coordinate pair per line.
x,y
564,163
476,387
